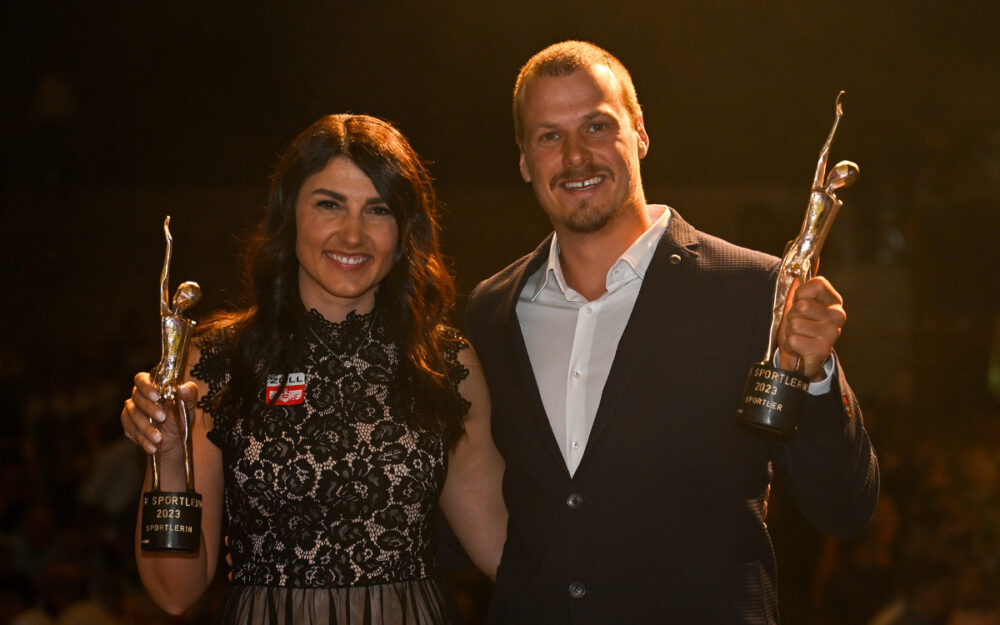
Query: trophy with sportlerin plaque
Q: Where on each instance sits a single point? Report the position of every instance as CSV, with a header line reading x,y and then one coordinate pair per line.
x,y
171,520
773,397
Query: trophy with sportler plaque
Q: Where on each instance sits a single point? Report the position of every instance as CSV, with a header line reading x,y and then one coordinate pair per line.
x,y
171,520
772,397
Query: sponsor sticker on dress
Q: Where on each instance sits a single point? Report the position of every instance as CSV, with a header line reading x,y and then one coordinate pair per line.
x,y
294,392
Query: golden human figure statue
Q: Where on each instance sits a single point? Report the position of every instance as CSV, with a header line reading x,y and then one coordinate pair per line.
x,y
801,259
175,338
773,397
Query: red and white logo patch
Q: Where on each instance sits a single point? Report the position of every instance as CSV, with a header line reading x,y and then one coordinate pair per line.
x,y
294,392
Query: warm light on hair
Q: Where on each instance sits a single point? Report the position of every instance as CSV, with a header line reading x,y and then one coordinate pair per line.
x,y
566,57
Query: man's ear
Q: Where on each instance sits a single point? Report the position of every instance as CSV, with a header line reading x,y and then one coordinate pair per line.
x,y
523,166
640,131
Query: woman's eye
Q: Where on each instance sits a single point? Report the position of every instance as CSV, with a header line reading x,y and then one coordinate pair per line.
x,y
380,210
598,126
329,204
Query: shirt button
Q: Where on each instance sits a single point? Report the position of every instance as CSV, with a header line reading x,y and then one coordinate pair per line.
x,y
574,501
575,444
576,373
577,590
588,309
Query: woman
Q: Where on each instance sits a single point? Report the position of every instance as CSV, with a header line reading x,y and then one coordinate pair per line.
x,y
327,493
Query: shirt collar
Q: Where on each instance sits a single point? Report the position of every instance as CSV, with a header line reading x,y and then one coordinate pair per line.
x,y
637,257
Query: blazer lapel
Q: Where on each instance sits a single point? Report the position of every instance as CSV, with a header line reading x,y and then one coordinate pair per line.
x,y
655,314
519,353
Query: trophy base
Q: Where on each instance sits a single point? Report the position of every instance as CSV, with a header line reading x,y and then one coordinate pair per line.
x,y
772,401
171,522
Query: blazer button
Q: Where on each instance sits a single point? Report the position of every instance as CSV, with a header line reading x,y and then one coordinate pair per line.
x,y
574,501
577,590
675,259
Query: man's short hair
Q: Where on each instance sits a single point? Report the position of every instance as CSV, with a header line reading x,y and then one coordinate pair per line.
x,y
564,58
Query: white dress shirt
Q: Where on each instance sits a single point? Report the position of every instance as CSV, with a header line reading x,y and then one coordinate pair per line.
x,y
572,342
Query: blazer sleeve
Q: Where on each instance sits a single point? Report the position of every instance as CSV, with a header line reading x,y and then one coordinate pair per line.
x,y
830,466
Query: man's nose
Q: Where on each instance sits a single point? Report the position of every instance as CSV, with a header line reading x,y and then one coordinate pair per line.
x,y
575,151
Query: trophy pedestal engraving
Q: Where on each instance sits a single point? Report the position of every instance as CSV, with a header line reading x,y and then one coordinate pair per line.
x,y
772,400
171,521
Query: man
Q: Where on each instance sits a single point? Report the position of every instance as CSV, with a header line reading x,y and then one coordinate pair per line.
x,y
616,354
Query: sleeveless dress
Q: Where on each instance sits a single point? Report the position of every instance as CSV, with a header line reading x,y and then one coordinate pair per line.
x,y
328,496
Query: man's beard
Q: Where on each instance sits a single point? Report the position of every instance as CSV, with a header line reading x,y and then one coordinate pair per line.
x,y
587,219
590,216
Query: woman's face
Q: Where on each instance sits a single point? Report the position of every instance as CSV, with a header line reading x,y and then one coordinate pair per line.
x,y
346,240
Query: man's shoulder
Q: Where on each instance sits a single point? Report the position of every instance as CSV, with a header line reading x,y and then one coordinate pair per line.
x,y
510,276
727,255
717,254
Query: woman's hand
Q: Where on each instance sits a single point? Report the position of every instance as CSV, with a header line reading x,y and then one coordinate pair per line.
x,y
150,424
176,581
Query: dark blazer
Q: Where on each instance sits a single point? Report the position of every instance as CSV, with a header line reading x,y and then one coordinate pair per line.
x,y
663,520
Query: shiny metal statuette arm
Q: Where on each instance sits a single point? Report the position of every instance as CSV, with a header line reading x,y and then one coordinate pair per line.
x,y
801,259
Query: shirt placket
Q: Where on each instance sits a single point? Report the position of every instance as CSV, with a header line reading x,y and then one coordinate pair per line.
x,y
578,423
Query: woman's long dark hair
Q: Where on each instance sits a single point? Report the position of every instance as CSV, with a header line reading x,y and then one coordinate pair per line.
x,y
413,300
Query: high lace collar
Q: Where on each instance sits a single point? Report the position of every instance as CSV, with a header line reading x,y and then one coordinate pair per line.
x,y
342,336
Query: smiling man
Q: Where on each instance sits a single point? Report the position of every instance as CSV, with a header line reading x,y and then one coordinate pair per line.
x,y
616,354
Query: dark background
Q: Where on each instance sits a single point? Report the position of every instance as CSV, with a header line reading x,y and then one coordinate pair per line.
x,y
115,114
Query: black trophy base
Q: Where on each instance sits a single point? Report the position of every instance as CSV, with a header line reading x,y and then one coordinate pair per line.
x,y
772,401
171,522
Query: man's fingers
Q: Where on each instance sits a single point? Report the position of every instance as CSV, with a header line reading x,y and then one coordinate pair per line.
x,y
827,327
819,288
812,326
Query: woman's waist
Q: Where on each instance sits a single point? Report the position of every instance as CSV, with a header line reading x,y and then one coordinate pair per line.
x,y
335,571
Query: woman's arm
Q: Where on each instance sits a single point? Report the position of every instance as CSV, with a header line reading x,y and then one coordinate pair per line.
x,y
472,499
176,581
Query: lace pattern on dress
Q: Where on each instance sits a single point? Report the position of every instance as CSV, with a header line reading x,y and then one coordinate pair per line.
x,y
335,491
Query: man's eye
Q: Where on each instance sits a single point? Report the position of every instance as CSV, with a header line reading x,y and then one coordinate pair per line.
x,y
598,126
547,137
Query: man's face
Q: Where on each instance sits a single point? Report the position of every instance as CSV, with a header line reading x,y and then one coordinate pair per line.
x,y
580,149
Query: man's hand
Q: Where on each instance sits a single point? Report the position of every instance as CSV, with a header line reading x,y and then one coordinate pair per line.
x,y
810,327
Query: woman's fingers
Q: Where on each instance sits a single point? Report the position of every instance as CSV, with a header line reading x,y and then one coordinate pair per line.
x,y
139,429
146,420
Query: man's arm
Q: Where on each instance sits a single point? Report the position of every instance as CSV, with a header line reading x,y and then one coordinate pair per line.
x,y
830,465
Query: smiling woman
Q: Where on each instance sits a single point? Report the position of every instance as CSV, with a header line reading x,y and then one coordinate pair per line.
x,y
331,407
346,240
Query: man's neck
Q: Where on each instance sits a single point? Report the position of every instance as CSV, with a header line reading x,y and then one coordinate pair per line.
x,y
586,258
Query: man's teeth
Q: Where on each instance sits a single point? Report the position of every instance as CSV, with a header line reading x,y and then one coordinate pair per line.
x,y
348,260
583,184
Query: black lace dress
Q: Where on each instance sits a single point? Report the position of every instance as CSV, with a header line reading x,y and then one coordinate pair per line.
x,y
328,496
